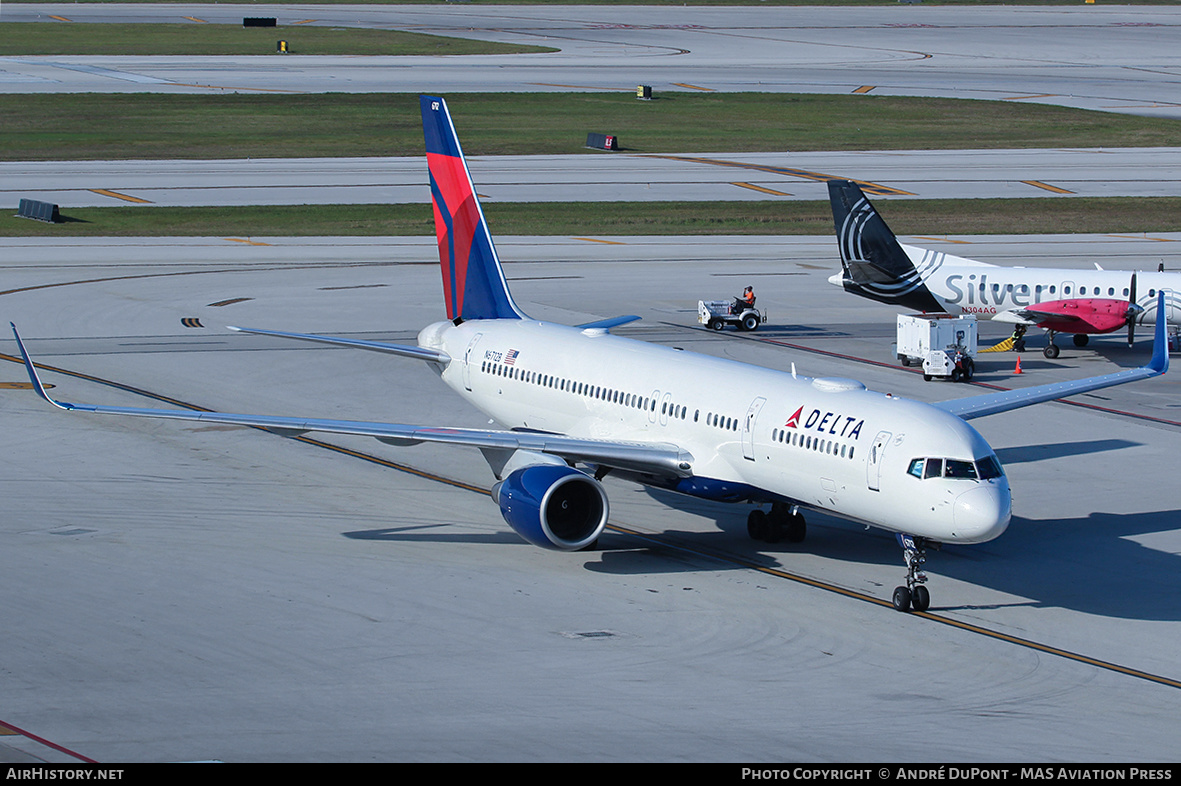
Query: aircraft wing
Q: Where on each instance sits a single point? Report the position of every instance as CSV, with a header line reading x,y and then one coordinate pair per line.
x,y
1031,317
657,458
992,403
1034,315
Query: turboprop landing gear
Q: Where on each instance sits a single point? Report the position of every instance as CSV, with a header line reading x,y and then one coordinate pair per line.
x,y
1051,351
915,594
783,522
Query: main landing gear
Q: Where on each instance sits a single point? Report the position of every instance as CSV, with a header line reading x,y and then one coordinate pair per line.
x,y
915,594
783,522
1051,351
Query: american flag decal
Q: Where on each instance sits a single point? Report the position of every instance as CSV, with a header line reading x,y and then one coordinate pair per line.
x,y
510,357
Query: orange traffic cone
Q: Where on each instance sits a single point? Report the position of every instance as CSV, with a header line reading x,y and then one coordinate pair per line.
x,y
1018,371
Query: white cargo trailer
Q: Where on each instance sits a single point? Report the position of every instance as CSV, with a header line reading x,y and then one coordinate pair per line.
x,y
941,343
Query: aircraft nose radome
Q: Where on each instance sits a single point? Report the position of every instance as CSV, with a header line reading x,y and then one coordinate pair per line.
x,y
982,513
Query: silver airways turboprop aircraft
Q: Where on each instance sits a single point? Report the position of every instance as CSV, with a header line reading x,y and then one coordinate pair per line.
x,y
577,403
1082,302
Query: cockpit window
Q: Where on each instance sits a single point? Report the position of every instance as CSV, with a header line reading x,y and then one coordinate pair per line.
x,y
986,468
989,468
959,469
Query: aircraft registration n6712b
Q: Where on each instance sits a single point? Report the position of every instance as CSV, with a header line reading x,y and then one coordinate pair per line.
x,y
575,403
875,265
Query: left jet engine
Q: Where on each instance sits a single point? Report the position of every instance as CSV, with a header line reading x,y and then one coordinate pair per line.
x,y
553,506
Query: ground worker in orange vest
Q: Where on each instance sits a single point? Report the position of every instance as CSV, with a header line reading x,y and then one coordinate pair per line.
x,y
745,300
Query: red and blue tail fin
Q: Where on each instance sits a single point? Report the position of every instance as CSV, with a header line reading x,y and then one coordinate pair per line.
x,y
473,282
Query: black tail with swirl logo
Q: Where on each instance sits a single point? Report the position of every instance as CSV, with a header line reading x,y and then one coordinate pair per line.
x,y
875,265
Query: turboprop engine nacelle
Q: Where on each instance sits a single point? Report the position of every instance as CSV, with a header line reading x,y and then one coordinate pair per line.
x,y
553,506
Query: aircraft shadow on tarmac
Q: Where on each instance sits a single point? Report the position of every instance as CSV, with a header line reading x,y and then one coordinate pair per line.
x,y
774,330
1086,564
435,532
1090,564
1026,454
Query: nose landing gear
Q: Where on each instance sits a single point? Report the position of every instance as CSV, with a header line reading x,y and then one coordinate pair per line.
x,y
914,595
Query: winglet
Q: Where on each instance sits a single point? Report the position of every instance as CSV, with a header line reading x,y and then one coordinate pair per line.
x,y
34,379
474,286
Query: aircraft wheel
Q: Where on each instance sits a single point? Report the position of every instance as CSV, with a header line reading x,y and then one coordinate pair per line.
x,y
797,529
901,599
773,531
1081,339
756,525
1051,351
920,599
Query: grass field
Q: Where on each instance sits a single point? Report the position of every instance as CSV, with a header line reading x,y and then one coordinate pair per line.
x,y
195,38
149,126
907,217
695,2
154,125
218,125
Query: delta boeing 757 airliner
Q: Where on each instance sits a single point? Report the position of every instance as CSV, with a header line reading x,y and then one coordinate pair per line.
x,y
577,403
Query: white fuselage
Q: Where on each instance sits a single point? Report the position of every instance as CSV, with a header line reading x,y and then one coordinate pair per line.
x,y
965,286
753,433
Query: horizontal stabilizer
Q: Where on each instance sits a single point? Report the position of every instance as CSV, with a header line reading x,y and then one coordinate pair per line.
x,y
607,324
429,355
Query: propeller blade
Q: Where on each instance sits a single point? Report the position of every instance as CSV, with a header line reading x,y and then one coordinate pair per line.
x,y
1132,312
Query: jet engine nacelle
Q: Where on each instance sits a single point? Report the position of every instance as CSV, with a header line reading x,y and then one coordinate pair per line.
x,y
553,506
